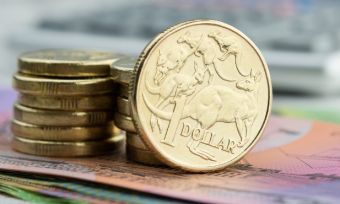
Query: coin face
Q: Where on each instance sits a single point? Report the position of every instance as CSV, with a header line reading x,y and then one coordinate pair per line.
x,y
67,63
201,95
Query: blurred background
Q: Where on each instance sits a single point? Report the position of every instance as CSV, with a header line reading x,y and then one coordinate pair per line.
x,y
300,39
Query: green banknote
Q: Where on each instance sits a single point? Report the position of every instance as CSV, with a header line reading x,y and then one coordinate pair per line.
x,y
44,189
31,196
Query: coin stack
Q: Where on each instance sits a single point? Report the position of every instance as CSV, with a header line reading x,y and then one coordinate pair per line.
x,y
121,71
65,104
197,99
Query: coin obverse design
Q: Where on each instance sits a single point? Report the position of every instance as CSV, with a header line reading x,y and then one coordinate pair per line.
x,y
201,95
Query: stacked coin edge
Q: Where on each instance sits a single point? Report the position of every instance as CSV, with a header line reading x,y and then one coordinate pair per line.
x,y
65,102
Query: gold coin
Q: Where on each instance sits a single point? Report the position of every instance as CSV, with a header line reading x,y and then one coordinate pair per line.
x,y
62,87
123,106
98,102
138,152
124,122
67,149
135,140
201,95
123,91
67,63
116,130
142,156
122,69
60,118
61,133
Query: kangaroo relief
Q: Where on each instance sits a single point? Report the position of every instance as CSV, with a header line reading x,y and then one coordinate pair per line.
x,y
216,103
212,103
173,61
198,104
173,86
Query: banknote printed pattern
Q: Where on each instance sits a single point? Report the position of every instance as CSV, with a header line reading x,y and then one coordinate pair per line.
x,y
184,83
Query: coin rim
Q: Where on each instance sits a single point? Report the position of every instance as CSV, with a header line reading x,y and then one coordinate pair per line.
x,y
123,106
78,149
133,97
61,133
124,122
80,87
82,118
78,103
123,90
142,156
68,69
120,74
135,141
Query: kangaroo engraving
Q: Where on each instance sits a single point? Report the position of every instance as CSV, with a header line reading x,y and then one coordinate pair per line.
x,y
172,61
216,103
174,85
205,48
229,45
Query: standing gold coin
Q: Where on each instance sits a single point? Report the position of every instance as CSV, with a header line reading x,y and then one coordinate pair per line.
x,y
123,106
67,63
61,133
62,87
60,118
67,149
122,69
201,95
98,102
124,122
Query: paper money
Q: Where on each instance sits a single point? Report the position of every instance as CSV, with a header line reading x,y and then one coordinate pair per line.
x,y
11,200
296,161
324,113
7,97
31,196
71,191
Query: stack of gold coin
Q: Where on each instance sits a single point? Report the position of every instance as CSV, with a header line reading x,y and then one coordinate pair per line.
x,y
197,99
121,72
65,104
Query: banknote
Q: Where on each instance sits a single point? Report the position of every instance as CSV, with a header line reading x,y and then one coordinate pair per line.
x,y
36,193
295,161
11,200
325,113
7,98
60,190
30,196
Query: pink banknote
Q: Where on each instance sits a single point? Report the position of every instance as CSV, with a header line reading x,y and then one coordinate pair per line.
x,y
295,161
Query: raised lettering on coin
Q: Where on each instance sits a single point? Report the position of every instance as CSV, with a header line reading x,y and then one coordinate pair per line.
x,y
202,95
